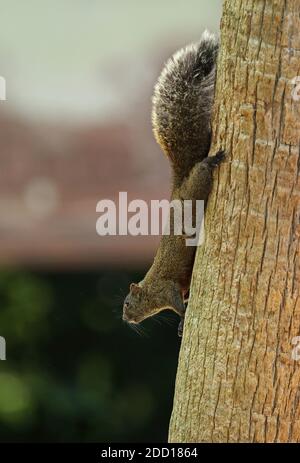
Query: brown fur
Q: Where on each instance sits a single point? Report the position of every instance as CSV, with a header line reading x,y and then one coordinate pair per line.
x,y
182,103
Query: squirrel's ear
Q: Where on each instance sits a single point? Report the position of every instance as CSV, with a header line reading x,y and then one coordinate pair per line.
x,y
134,288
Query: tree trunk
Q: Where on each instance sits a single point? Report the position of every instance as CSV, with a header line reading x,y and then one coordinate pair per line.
x,y
238,377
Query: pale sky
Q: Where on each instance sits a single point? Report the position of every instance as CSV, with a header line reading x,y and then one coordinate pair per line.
x,y
59,56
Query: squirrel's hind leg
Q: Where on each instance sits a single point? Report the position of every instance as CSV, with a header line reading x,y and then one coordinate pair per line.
x,y
214,161
197,184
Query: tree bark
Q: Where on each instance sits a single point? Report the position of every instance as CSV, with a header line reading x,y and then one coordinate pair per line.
x,y
238,380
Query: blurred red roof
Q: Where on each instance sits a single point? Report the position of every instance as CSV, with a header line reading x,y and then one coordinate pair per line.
x,y
51,179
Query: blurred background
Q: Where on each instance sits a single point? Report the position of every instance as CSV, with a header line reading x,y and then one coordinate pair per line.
x,y
75,128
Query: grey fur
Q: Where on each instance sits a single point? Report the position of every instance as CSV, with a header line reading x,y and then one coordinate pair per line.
x,y
182,103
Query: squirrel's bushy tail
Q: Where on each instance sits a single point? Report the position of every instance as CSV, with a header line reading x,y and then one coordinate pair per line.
x,y
182,103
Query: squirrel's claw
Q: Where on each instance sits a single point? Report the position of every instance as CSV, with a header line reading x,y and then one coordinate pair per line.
x,y
215,160
180,327
220,155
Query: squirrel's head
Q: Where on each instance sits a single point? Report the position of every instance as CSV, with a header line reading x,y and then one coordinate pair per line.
x,y
146,300
137,305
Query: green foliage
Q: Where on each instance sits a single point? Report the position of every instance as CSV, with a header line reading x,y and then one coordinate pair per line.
x,y
74,370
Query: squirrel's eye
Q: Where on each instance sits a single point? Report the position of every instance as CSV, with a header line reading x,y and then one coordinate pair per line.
x,y
126,305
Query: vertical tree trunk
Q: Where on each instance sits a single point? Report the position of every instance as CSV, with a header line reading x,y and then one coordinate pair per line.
x,y
237,380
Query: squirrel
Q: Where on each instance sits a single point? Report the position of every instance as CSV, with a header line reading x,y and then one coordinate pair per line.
x,y
181,119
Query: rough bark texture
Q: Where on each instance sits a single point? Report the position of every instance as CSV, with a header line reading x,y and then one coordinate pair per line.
x,y
236,380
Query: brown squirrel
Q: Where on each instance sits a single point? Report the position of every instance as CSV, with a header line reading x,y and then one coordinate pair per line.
x,y
182,104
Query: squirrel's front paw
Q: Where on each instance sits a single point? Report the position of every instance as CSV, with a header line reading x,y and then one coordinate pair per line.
x,y
180,328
